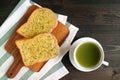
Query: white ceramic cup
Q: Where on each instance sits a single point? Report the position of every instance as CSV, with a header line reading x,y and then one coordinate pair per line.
x,y
72,54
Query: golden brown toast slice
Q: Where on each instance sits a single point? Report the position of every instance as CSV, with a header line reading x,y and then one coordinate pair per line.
x,y
38,49
41,20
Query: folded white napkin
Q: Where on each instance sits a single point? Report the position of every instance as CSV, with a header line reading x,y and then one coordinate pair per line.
x,y
53,69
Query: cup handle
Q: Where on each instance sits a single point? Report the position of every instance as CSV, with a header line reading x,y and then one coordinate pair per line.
x,y
105,63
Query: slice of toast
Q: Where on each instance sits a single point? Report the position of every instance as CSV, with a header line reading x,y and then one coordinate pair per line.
x,y
38,49
41,20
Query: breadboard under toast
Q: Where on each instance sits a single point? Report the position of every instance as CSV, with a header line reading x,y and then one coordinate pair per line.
x,y
60,32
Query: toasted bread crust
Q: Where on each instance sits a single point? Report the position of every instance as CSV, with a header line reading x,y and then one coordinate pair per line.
x,y
41,20
38,49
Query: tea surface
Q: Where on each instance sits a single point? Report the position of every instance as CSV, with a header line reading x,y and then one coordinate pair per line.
x,y
88,55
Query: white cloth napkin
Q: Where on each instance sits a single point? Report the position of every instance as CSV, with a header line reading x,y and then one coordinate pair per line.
x,y
53,69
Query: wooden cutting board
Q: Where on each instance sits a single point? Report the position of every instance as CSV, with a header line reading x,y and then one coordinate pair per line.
x,y
60,32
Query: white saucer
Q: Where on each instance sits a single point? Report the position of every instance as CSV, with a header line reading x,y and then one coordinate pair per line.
x,y
72,55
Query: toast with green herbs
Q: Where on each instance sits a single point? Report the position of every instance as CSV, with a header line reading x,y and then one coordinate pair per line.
x,y
41,20
38,49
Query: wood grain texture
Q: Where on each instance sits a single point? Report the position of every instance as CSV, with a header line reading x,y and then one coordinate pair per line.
x,y
60,32
99,19
102,22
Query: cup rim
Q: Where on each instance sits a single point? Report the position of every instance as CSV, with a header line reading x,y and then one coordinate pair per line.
x,y
91,40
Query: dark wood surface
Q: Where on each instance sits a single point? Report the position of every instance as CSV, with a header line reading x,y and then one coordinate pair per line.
x,y
96,19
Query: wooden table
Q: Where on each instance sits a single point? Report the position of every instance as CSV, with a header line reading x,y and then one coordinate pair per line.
x,y
96,19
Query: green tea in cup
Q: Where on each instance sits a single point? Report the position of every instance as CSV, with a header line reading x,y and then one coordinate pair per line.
x,y
88,55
